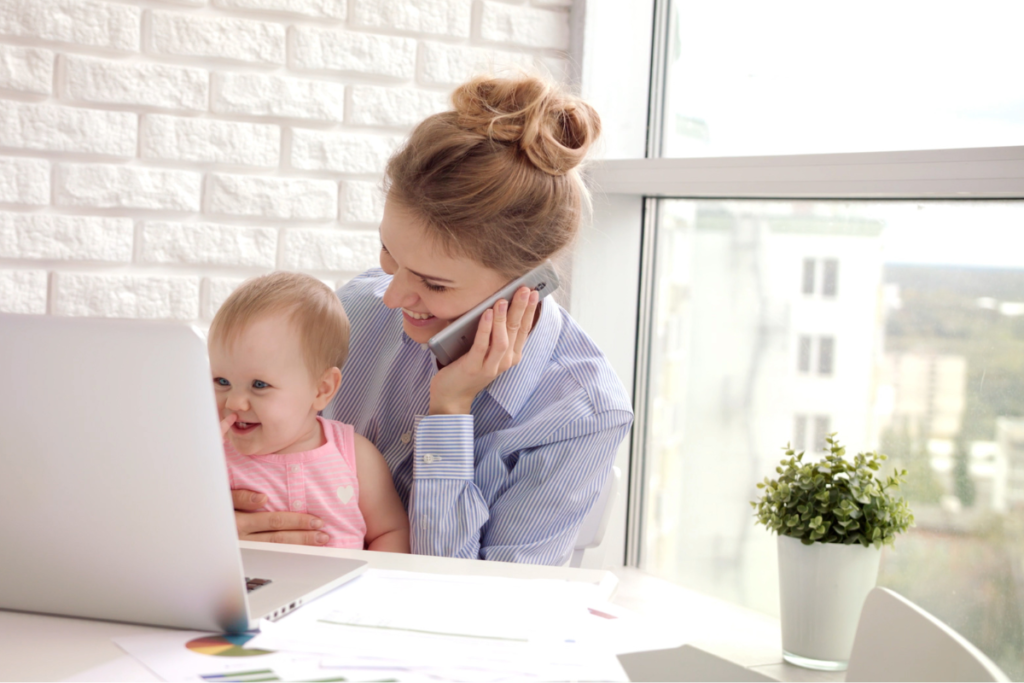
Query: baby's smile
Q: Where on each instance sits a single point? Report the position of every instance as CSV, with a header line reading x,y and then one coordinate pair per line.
x,y
240,427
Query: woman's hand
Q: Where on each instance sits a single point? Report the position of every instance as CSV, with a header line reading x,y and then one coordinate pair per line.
x,y
274,527
500,338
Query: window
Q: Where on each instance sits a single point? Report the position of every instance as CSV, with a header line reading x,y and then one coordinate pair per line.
x,y
830,279
825,356
826,352
821,426
829,276
728,397
739,272
801,77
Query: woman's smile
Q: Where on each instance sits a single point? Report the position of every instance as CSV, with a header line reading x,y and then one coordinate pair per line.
x,y
416,315
418,320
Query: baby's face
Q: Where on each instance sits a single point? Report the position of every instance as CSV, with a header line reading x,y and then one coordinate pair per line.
x,y
262,378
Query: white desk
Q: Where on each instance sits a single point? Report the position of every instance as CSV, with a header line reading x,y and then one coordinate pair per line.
x,y
44,648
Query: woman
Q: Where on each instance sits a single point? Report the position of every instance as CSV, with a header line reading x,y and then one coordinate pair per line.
x,y
500,454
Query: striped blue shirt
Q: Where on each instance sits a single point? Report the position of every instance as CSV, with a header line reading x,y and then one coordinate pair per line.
x,y
513,480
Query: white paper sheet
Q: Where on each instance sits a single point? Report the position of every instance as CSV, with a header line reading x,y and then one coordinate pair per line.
x,y
468,628
405,626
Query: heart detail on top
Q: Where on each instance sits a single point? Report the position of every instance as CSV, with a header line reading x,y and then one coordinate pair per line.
x,y
345,493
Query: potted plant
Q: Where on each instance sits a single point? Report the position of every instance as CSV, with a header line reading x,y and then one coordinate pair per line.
x,y
832,517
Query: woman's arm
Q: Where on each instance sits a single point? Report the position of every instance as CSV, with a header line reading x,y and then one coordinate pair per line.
x,y
387,525
536,518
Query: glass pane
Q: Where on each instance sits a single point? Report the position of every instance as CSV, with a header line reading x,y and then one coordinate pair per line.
x,y
746,77
924,350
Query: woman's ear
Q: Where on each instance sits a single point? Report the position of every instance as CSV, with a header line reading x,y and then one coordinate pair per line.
x,y
326,388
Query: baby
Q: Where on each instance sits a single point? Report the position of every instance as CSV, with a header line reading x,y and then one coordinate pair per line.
x,y
277,346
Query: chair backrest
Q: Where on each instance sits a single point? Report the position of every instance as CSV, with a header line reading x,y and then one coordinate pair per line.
x,y
596,521
898,641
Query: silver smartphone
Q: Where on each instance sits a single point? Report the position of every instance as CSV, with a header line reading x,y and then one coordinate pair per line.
x,y
453,341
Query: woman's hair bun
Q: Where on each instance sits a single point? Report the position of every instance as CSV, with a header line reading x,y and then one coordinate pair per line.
x,y
552,128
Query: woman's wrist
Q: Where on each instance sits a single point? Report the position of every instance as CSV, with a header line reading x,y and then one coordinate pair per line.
x,y
449,407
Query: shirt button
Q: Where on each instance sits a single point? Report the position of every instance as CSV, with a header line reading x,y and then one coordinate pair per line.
x,y
428,458
407,437
295,468
297,505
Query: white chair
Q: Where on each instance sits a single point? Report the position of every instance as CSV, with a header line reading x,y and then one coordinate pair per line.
x,y
596,520
898,641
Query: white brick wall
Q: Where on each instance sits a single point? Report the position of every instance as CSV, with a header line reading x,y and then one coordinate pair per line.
x,y
106,81
155,154
24,181
26,69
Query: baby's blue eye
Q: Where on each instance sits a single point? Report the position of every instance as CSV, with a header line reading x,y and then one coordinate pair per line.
x,y
220,381
259,384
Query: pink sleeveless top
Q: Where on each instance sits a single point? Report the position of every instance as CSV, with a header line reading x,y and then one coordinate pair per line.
x,y
321,482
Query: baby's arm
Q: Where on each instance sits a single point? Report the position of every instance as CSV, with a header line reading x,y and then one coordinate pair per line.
x,y
387,525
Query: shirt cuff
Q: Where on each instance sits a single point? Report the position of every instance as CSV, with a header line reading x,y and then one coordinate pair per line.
x,y
444,447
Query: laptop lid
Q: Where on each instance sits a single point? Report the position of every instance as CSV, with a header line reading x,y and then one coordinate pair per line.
x,y
116,495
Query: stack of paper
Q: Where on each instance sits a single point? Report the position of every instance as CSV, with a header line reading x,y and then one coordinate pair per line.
x,y
389,625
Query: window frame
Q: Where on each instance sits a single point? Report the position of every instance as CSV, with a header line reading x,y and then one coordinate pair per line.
x,y
962,174
622,235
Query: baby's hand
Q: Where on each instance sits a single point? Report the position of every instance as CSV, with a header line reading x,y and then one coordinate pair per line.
x,y
226,423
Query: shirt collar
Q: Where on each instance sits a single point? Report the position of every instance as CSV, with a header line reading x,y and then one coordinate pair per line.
x,y
514,386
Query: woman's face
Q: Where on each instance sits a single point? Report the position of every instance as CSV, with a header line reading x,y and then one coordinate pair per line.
x,y
431,287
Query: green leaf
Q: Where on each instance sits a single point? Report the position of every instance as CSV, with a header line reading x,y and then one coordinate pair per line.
x,y
836,499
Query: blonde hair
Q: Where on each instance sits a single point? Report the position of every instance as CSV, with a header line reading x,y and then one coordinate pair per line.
x,y
312,306
496,179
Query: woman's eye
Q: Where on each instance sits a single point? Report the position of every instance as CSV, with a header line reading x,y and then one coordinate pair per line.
x,y
259,384
387,263
221,382
434,288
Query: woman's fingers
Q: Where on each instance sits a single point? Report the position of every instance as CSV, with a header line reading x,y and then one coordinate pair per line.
x,y
292,537
499,336
498,345
280,527
478,352
274,527
247,501
529,312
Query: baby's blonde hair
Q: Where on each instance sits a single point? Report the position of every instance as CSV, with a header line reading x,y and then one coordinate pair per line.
x,y
312,307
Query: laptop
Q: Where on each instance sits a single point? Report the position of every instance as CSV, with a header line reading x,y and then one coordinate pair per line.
x,y
113,485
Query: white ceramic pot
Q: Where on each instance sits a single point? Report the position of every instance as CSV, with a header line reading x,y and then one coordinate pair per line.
x,y
822,588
